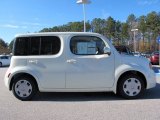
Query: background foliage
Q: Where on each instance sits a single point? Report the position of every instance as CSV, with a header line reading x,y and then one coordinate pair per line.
x,y
117,31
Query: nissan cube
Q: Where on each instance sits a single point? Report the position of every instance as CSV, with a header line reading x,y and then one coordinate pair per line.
x,y
74,62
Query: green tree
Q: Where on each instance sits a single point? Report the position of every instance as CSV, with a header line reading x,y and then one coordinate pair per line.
x,y
142,27
124,33
131,20
132,23
3,43
11,45
152,22
118,32
70,27
76,26
98,25
110,27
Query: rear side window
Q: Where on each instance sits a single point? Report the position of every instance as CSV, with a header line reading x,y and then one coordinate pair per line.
x,y
87,45
21,46
50,45
4,57
34,46
45,45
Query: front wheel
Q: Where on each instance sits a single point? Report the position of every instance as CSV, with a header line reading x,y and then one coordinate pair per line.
x,y
131,86
24,88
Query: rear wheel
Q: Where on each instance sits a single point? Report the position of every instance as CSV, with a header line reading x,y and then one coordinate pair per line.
x,y
131,86
24,88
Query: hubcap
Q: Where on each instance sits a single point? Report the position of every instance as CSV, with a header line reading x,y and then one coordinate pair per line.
x,y
132,87
23,88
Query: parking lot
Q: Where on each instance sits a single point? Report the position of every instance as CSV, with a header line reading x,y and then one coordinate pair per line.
x,y
79,106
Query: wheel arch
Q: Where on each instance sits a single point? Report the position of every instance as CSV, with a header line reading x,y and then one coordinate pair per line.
x,y
22,74
135,72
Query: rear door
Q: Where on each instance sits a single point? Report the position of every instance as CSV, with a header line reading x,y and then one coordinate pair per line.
x,y
45,57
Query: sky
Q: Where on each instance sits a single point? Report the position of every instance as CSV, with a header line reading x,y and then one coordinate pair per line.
x,y
23,16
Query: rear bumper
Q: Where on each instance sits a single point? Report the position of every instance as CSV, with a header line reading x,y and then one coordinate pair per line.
x,y
7,79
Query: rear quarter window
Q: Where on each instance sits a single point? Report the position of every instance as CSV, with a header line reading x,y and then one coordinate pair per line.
x,y
41,45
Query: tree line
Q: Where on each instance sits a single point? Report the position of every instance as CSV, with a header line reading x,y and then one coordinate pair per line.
x,y
120,32
117,31
3,47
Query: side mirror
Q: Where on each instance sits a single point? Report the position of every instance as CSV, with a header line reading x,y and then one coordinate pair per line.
x,y
107,50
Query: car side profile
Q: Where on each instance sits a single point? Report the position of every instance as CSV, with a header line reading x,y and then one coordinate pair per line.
x,y
4,60
74,62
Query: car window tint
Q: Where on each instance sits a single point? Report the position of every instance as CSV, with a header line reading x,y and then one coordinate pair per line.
x,y
34,46
50,45
21,46
42,45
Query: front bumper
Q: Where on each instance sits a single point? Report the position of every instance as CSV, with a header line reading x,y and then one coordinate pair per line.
x,y
151,80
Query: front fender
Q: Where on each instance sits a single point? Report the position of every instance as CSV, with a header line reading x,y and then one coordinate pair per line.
x,y
125,68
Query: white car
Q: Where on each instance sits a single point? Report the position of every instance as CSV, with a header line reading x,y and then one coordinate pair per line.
x,y
74,62
4,60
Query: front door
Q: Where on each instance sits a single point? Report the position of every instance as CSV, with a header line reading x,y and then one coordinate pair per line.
x,y
87,65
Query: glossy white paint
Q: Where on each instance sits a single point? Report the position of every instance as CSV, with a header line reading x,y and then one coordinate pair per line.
x,y
89,71
67,72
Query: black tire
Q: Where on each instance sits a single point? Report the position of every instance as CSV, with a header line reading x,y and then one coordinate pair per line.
x,y
18,89
135,90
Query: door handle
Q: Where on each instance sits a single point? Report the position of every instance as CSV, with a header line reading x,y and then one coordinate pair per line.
x,y
33,61
71,61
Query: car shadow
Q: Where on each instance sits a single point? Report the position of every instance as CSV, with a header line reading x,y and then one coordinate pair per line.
x,y
153,93
92,96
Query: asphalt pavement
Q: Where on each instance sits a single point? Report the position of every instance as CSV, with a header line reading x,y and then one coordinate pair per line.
x,y
78,106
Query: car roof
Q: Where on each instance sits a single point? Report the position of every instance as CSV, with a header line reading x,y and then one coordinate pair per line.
x,y
55,33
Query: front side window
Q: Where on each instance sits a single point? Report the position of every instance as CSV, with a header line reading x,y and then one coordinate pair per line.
x,y
87,45
42,45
